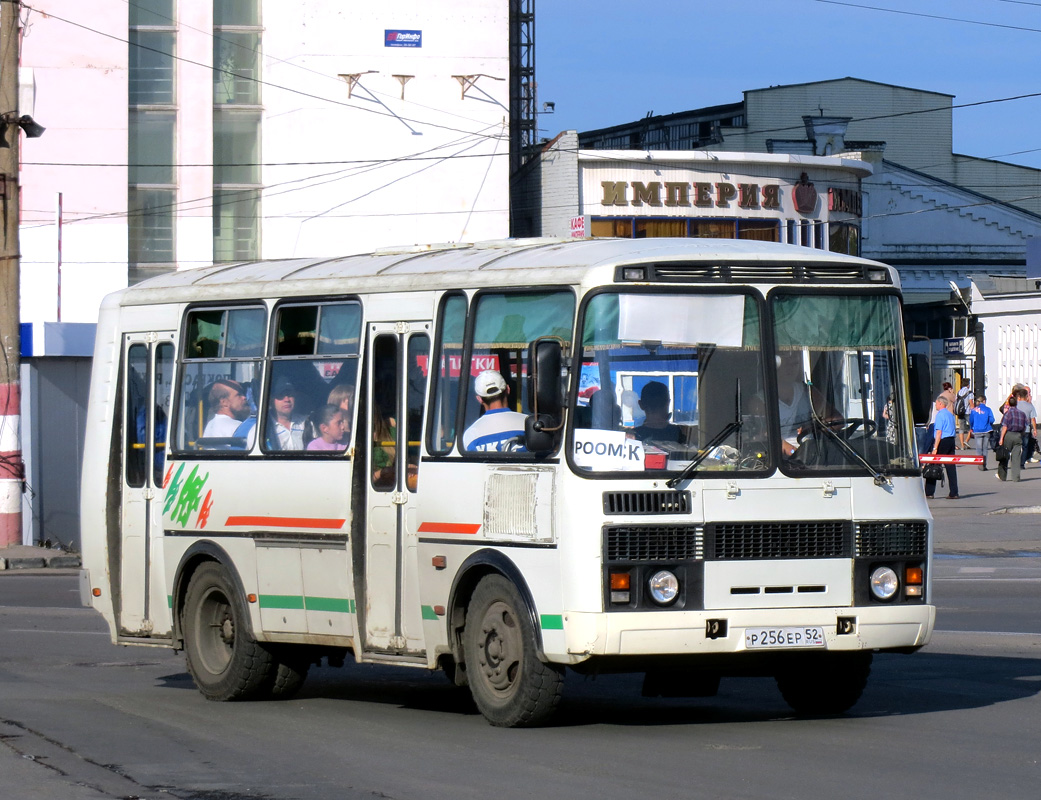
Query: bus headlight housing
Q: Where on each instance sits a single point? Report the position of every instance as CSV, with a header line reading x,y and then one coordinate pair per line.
x,y
664,587
884,583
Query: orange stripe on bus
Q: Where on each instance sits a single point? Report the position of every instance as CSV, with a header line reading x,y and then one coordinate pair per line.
x,y
285,522
447,527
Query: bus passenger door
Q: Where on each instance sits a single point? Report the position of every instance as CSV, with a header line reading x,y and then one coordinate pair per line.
x,y
148,368
397,381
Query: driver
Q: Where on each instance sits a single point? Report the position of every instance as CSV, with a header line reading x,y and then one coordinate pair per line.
x,y
654,401
793,401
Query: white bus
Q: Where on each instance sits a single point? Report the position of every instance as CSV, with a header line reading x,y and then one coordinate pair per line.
x,y
275,471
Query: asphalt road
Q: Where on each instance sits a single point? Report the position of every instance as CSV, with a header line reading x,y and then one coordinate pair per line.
x,y
82,718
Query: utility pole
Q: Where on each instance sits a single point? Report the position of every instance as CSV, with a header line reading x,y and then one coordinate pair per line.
x,y
11,467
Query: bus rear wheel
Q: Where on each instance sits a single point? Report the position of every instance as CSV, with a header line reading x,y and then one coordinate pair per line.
x,y
223,659
510,685
824,684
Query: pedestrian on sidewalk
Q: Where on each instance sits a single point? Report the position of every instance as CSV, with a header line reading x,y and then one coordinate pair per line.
x,y
981,423
943,445
1030,434
962,407
1013,425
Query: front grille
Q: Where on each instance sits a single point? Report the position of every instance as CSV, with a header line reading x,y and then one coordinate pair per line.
x,y
885,539
739,541
646,502
652,542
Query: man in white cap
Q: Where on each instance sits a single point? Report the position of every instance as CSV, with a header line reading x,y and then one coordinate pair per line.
x,y
499,429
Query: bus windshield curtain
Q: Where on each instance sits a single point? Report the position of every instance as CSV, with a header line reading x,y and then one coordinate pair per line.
x,y
813,321
600,326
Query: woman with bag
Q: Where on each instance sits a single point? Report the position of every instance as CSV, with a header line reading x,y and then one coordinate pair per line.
x,y
1013,425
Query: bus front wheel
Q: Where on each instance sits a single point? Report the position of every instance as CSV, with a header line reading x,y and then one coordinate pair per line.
x,y
824,684
510,685
223,659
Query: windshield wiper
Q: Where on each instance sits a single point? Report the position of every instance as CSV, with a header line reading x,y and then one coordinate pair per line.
x,y
821,425
688,470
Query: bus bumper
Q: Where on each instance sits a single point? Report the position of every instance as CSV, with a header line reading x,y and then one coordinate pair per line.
x,y
588,635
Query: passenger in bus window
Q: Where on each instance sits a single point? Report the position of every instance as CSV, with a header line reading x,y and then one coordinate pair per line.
x,y
384,436
228,406
329,423
498,428
342,397
288,426
656,427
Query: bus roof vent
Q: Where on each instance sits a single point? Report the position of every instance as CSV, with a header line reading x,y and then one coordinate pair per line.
x,y
764,272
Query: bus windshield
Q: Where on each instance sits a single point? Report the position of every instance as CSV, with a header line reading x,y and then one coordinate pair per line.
x,y
667,378
840,396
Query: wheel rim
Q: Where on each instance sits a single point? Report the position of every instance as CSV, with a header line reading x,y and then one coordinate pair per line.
x,y
215,631
500,647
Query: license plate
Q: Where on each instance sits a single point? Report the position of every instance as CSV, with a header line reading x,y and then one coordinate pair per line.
x,y
758,638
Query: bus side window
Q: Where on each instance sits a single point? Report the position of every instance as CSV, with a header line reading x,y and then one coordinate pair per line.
x,y
418,354
220,385
315,364
444,374
505,323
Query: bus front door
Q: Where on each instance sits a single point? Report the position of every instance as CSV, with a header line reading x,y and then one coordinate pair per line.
x,y
396,391
147,376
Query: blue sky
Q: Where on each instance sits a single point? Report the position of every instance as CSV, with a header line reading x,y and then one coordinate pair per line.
x,y
604,62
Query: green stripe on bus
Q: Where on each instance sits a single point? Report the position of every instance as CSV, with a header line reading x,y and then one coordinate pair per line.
x,y
339,605
428,612
289,601
295,602
169,601
552,622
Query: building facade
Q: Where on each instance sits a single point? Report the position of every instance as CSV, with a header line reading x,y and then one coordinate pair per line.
x,y
938,216
181,133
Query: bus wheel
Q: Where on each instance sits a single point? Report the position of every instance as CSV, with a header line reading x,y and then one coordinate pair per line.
x,y
822,685
223,659
510,686
287,675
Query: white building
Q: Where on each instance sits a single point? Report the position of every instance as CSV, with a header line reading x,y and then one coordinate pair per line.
x,y
181,133
184,132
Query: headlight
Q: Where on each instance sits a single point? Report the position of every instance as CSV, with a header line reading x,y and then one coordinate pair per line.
x,y
884,583
664,587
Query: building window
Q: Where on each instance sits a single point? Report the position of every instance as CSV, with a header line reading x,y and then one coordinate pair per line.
x,y
236,233
151,138
236,130
760,230
152,125
151,68
236,68
151,227
844,237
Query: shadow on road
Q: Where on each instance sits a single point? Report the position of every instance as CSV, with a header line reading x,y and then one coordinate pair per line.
x,y
923,683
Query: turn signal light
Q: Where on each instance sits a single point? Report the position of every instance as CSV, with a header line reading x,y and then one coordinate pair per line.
x,y
914,576
252,598
619,581
96,592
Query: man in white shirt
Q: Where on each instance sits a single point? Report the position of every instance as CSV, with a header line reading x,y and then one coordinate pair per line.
x,y
498,429
228,401
288,427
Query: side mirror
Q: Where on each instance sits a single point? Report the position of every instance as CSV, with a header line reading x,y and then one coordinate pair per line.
x,y
542,428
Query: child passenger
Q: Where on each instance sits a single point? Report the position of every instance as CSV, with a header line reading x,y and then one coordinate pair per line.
x,y
329,423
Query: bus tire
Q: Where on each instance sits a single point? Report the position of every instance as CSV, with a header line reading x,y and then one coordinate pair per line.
x,y
287,676
824,685
224,660
511,687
